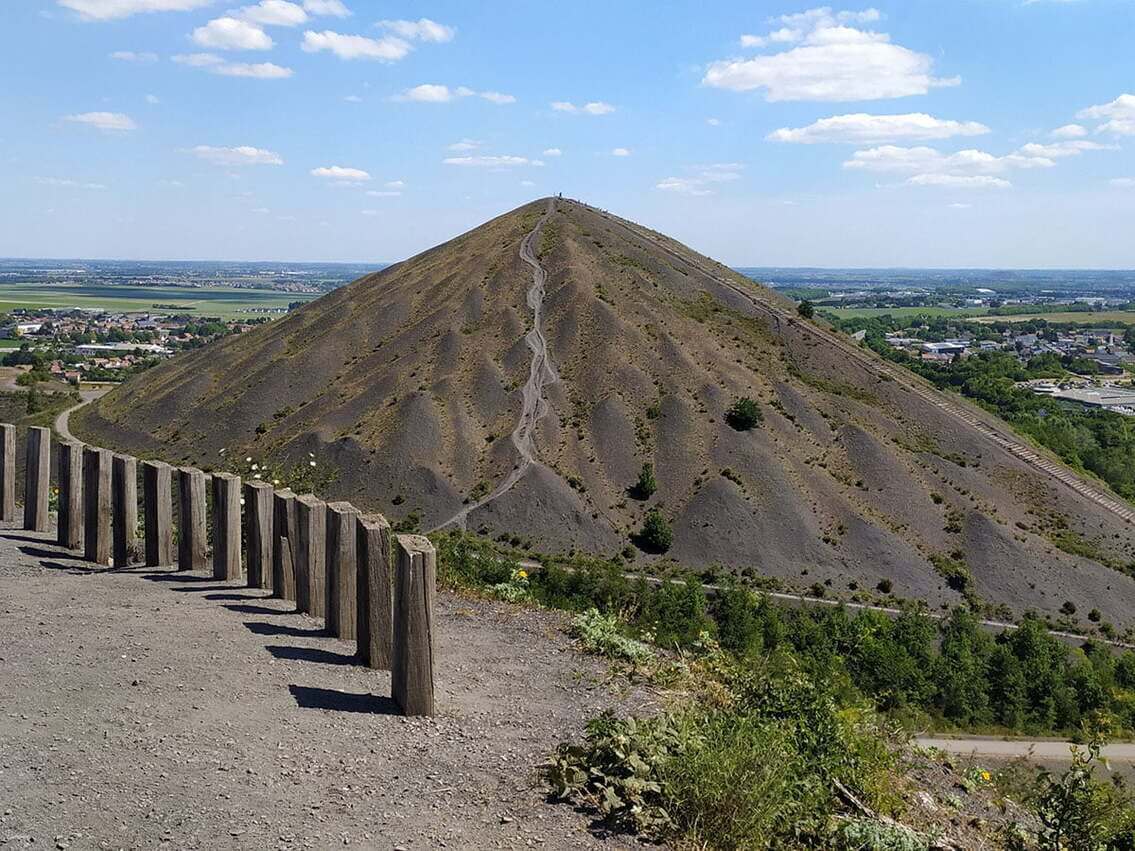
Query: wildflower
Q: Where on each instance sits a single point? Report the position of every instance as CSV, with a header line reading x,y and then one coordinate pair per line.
x,y
255,466
311,455
985,776
522,574
257,476
312,463
248,460
275,481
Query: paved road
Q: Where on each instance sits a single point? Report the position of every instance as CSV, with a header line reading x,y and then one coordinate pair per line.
x,y
541,373
63,421
1042,749
908,381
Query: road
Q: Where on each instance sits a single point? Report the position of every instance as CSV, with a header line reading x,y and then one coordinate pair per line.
x,y
908,381
63,421
541,373
1041,749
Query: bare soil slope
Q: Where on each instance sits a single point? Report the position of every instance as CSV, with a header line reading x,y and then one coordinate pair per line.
x,y
409,381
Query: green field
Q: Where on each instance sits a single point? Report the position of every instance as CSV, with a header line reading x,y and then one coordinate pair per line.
x,y
225,302
871,312
1102,317
981,314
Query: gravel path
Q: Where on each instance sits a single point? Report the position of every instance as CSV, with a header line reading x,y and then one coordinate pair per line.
x,y
146,709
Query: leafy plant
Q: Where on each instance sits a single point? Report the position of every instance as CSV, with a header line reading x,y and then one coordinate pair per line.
x,y
744,414
603,634
646,485
656,536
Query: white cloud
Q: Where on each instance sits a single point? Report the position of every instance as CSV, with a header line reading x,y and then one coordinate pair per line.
x,y
595,107
333,8
620,152
959,206
274,13
832,60
702,179
1070,131
352,99
216,65
395,184
103,120
860,128
383,193
436,93
491,161
342,173
713,122
153,99
553,152
422,29
959,181
106,10
144,57
1056,150
930,167
237,156
369,212
1120,114
67,183
1123,182
232,34
527,183
466,145
385,49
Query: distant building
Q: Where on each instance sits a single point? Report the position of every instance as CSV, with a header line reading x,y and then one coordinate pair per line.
x,y
105,348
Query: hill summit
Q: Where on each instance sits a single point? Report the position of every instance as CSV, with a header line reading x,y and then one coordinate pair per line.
x,y
516,379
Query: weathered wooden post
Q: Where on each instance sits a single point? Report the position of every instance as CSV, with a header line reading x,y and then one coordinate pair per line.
x,y
311,555
96,504
258,534
157,504
376,599
342,604
226,526
191,531
284,544
124,507
70,519
37,479
7,472
412,664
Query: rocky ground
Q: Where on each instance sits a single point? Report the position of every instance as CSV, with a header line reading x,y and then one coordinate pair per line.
x,y
147,709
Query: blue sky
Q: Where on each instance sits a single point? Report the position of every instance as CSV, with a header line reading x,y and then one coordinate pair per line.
x,y
914,133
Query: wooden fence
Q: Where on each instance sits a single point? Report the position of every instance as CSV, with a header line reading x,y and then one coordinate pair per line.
x,y
332,561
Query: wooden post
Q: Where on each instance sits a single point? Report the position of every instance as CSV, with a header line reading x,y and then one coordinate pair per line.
x,y
258,534
412,665
311,555
157,503
124,508
284,542
70,521
191,531
7,473
96,505
342,604
226,526
37,479
376,600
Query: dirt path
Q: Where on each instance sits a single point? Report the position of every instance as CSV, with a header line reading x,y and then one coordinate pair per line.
x,y
541,373
63,421
153,709
1049,750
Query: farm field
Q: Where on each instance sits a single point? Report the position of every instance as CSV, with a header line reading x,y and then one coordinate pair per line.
x,y
870,312
1102,317
225,302
981,314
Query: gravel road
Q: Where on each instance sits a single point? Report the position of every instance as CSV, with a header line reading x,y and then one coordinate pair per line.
x,y
152,709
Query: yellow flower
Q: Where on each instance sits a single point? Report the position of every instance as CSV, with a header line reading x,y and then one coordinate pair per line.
x,y
522,574
985,776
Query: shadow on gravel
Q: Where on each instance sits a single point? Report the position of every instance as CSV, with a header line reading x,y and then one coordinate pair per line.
x,y
310,654
12,536
308,697
245,609
230,595
166,576
259,628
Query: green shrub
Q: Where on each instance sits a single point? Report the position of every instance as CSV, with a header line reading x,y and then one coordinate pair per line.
x,y
806,309
744,414
646,485
655,535
603,634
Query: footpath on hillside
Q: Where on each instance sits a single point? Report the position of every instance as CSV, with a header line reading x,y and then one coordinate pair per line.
x,y
146,708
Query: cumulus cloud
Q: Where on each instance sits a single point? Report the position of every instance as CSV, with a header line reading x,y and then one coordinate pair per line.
x,y
1057,150
107,10
383,193
861,128
485,161
341,173
333,8
144,57
395,184
216,65
274,13
930,167
422,29
237,156
466,145
959,181
1120,115
830,59
385,49
701,179
436,93
103,120
595,107
620,152
232,34
553,152
1070,131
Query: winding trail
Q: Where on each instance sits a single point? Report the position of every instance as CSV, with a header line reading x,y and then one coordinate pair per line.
x,y
63,420
541,373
